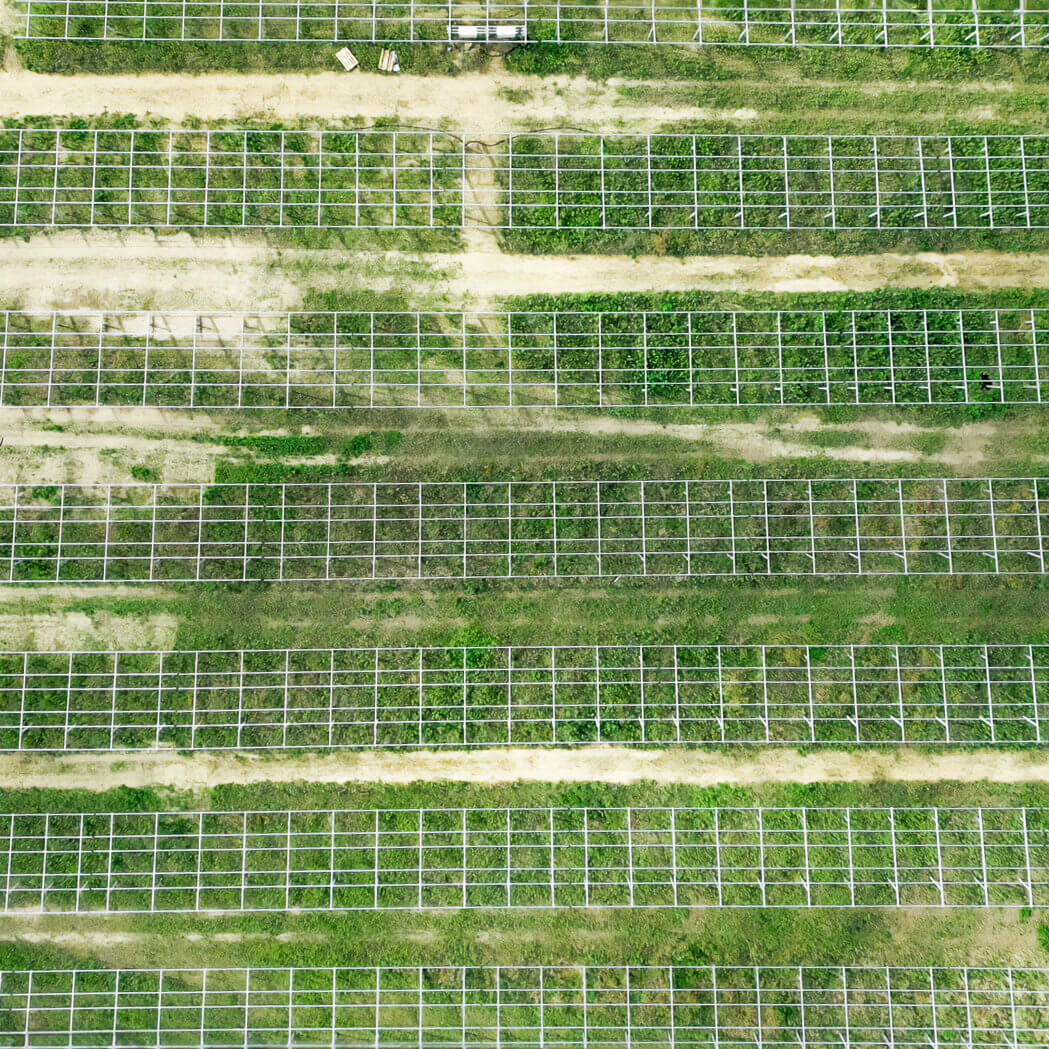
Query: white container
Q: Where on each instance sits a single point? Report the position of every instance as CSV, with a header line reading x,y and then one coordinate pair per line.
x,y
347,59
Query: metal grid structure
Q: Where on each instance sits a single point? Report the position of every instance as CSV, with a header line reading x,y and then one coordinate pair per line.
x,y
819,23
525,529
451,697
379,859
191,179
568,359
533,1007
231,178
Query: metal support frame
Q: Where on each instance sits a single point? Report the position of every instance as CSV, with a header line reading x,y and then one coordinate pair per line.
x,y
417,179
451,859
386,359
285,699
498,529
820,23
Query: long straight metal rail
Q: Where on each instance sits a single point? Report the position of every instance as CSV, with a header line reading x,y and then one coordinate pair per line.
x,y
524,696
411,179
524,529
784,23
855,1007
446,359
451,859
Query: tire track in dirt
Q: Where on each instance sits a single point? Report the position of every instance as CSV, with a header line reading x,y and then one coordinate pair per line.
x,y
486,277
983,937
604,763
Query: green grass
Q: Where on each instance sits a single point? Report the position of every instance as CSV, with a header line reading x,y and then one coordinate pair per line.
x,y
780,101
273,446
206,56
743,611
596,193
435,794
759,243
638,62
641,63
883,298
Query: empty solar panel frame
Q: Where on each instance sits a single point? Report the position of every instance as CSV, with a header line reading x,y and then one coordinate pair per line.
x,y
487,1006
344,179
451,859
530,359
964,24
524,696
354,531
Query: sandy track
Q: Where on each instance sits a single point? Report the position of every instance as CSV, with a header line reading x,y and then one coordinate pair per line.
x,y
466,101
32,453
71,269
75,270
21,425
983,937
760,442
608,764
503,274
101,941
59,631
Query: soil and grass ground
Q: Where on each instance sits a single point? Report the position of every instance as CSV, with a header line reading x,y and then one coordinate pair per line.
x,y
609,89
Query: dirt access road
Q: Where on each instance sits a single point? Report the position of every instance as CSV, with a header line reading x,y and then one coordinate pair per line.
x,y
606,764
71,269
500,100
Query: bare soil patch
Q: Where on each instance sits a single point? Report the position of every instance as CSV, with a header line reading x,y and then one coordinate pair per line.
x,y
109,269
58,632
73,269
44,457
997,936
45,593
17,421
754,441
884,440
